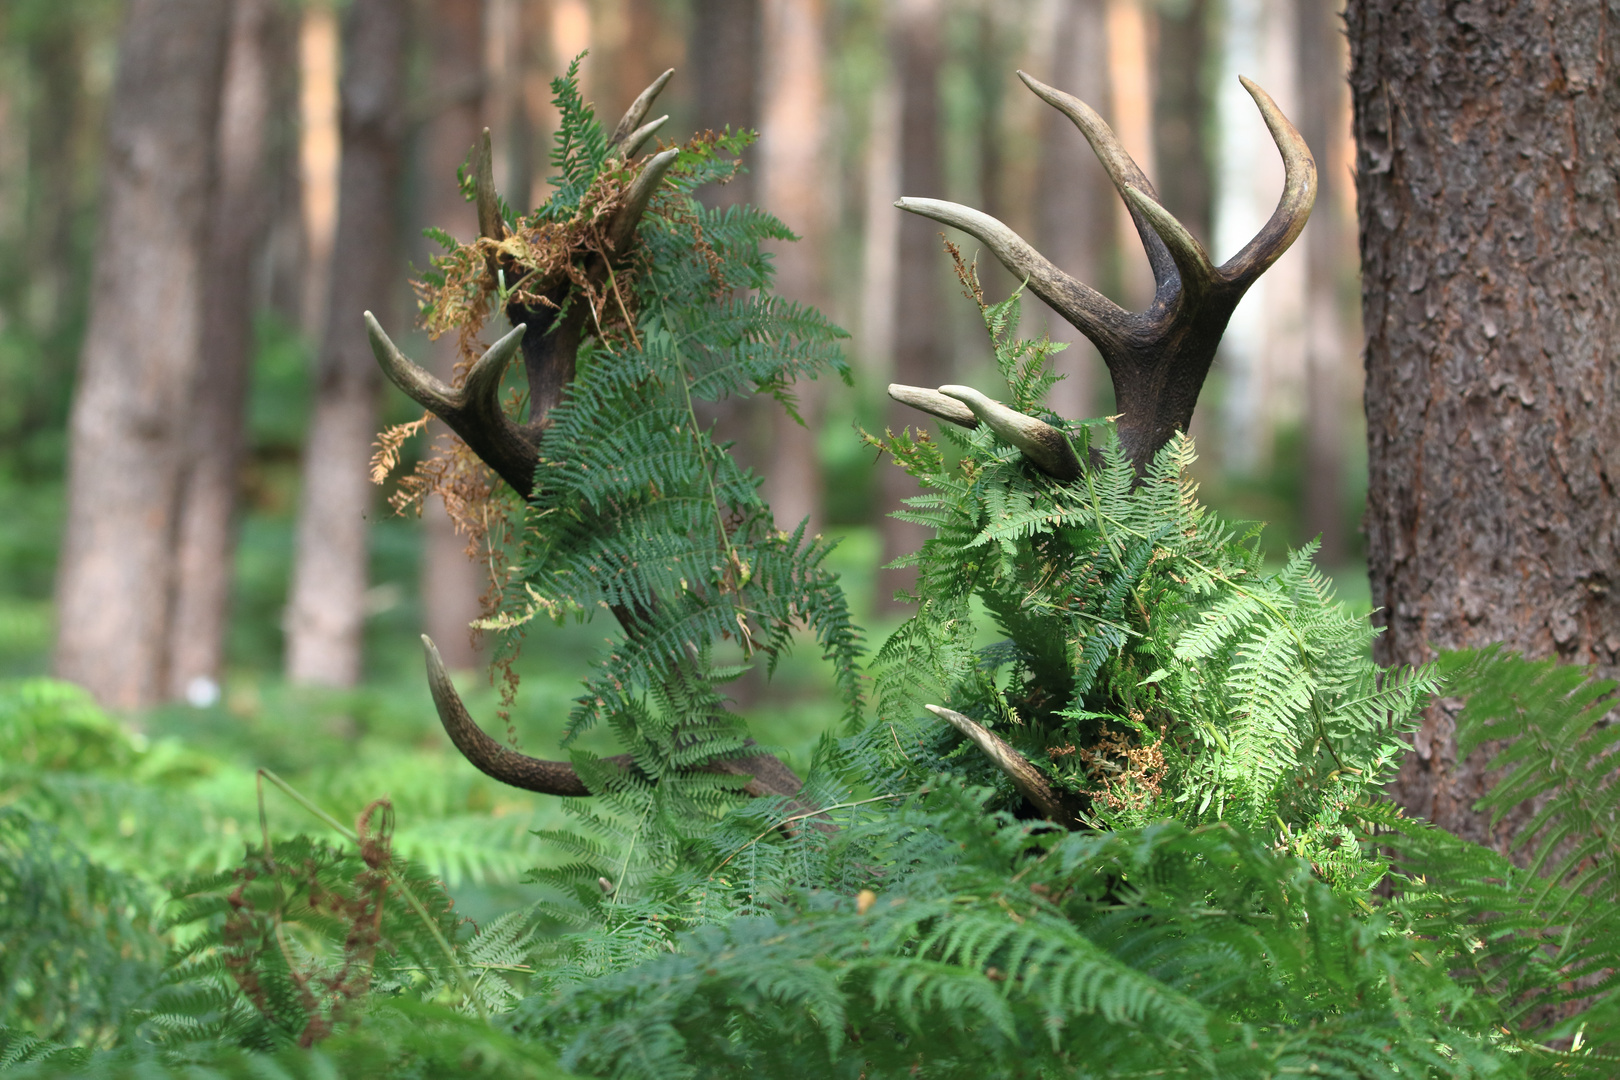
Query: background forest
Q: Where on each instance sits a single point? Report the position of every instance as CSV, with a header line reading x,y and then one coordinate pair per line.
x,y
231,596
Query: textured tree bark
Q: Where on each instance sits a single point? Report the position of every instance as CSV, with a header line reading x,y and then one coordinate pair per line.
x,y
131,408
326,610
1490,239
1320,58
793,182
241,217
919,356
451,582
1075,203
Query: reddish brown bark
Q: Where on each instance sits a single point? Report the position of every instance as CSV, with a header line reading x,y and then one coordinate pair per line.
x,y
1490,239
131,408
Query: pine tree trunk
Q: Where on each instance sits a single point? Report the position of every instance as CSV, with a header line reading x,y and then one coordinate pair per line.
x,y
451,582
1321,112
241,217
919,353
132,407
793,181
1490,241
1074,200
326,611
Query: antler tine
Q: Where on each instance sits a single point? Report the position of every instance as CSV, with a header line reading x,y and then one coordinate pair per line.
x,y
767,775
1043,445
634,141
490,757
473,410
637,112
934,403
1025,777
1195,271
641,193
1090,311
1293,208
1121,168
489,205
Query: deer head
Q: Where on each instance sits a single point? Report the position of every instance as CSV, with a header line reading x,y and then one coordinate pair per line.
x,y
1157,358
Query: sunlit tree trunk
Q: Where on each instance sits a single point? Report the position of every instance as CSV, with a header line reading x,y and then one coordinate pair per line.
x,y
131,410
919,345
1074,200
451,582
793,182
241,216
1486,174
326,611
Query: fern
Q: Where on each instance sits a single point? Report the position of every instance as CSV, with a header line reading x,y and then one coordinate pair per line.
x,y
1152,666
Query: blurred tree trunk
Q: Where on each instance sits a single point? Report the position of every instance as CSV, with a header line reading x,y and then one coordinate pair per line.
x,y
1490,241
920,356
1181,113
326,612
1321,109
242,205
1074,202
131,409
451,582
723,54
793,182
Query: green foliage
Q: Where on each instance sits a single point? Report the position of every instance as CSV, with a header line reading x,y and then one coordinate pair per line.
x,y
1151,665
993,948
1537,939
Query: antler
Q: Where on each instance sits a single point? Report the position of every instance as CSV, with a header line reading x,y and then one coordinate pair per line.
x,y
1157,358
1025,777
767,775
473,411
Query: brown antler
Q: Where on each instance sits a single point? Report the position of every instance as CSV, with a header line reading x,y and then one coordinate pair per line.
x,y
473,411
1158,358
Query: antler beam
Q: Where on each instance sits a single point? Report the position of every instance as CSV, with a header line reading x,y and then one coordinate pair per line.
x,y
1158,358
767,775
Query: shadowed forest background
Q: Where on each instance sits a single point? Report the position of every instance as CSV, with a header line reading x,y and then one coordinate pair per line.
x,y
856,103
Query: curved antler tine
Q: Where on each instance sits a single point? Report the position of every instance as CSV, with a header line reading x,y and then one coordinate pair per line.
x,y
1025,777
1293,208
1092,313
1197,272
641,193
489,204
488,756
418,383
637,111
634,141
1045,446
474,410
1121,168
934,403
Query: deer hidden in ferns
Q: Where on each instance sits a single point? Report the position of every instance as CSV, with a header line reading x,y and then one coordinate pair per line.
x,y
1145,662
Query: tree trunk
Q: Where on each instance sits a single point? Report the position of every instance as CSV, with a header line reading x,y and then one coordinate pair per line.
x,y
1321,111
131,410
793,182
451,582
1075,203
1490,241
919,352
326,611
723,52
1181,114
241,217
